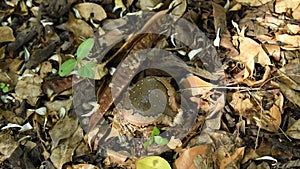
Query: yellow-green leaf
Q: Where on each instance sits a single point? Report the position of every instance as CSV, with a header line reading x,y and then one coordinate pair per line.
x,y
152,162
85,48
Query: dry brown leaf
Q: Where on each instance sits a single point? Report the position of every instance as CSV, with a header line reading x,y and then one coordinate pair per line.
x,y
46,68
270,121
292,95
296,13
7,146
219,17
87,9
250,53
7,34
295,29
273,50
147,5
29,87
79,27
293,131
180,9
292,41
196,85
240,104
83,166
282,5
64,152
233,160
186,159
253,2
63,129
213,118
289,74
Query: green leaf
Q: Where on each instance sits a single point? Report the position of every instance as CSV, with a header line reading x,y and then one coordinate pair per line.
x,y
2,85
155,131
152,162
85,48
160,140
67,67
148,143
5,89
87,70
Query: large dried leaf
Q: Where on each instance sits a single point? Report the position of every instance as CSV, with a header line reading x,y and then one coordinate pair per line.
x,y
180,9
29,87
87,9
250,53
290,74
291,94
219,17
63,129
7,146
6,34
292,41
233,160
282,5
196,85
64,152
186,159
296,13
269,120
293,131
254,2
79,27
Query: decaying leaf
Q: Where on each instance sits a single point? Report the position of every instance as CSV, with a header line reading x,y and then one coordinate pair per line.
x,y
63,129
293,131
6,34
29,87
253,2
180,9
282,5
296,13
233,160
219,17
250,53
83,166
291,94
291,41
269,120
7,146
88,9
79,27
186,159
196,85
64,151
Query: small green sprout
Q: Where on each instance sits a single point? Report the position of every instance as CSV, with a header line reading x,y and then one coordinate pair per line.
x,y
156,138
4,87
86,68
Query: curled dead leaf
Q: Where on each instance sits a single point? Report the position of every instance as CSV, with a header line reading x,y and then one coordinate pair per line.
x,y
196,85
88,9
6,34
186,159
250,53
282,5
79,27
293,131
233,160
253,2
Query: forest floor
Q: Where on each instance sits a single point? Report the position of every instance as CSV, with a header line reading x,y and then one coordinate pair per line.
x,y
150,84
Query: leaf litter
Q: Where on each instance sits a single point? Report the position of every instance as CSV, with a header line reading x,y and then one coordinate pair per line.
x,y
248,118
